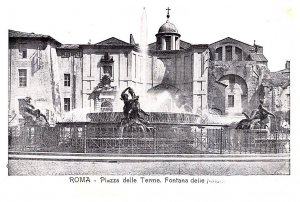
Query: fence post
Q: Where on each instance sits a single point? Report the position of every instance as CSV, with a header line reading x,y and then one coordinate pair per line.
x,y
154,139
276,142
221,141
84,144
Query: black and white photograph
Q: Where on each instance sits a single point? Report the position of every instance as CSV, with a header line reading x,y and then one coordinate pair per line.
x,y
151,93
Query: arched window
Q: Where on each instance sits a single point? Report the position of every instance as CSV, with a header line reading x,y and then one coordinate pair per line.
x,y
106,107
219,53
238,53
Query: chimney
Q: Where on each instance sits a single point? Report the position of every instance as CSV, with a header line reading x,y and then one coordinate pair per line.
x,y
132,40
287,64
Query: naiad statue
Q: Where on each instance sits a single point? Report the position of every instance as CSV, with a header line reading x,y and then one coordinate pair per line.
x,y
31,115
132,110
257,119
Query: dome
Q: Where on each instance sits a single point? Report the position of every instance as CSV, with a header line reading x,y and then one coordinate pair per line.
x,y
168,28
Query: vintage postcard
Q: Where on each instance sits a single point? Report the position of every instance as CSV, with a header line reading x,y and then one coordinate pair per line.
x,y
150,93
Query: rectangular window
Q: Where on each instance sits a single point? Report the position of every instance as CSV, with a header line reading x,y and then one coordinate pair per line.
x,y
107,70
67,104
168,43
65,54
228,53
219,53
24,53
239,54
67,80
78,54
22,77
230,100
202,65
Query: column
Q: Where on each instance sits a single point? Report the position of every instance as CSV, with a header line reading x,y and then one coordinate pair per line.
x,y
223,53
177,43
173,44
233,53
163,43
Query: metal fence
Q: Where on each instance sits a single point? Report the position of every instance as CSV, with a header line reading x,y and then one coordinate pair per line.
x,y
227,140
158,139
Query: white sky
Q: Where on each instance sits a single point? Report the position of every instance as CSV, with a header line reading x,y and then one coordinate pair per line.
x,y
271,23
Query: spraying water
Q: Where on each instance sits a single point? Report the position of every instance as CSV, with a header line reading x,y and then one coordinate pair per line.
x,y
76,115
144,49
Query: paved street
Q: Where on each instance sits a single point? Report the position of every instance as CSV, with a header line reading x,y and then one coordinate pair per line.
x,y
214,165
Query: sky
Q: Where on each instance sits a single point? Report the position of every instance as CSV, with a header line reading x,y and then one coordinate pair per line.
x,y
272,24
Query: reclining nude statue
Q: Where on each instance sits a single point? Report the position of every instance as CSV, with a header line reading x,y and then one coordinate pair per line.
x,y
31,115
132,110
257,117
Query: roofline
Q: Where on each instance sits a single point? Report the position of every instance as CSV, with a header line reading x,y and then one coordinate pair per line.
x,y
113,38
233,39
200,46
164,33
36,37
185,41
180,41
97,45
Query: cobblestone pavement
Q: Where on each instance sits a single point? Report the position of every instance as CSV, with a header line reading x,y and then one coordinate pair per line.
x,y
48,167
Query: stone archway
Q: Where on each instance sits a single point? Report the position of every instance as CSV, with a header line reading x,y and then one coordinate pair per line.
x,y
236,93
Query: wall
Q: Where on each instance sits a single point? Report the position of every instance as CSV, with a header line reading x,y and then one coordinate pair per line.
x,y
39,75
250,72
70,65
277,98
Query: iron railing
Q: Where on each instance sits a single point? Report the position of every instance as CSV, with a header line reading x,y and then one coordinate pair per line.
x,y
158,139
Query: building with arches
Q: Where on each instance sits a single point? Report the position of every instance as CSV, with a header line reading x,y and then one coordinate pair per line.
x,y
227,77
236,72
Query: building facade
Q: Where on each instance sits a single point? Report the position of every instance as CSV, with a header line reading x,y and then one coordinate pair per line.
x,y
227,77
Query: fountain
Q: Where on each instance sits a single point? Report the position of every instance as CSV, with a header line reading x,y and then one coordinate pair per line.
x,y
167,126
158,114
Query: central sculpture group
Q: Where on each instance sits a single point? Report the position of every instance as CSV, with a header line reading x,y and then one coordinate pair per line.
x,y
132,110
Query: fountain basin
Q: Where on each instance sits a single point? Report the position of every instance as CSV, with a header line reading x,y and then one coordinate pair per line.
x,y
155,117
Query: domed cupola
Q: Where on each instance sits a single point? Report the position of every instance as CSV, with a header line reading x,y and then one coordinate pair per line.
x,y
168,37
168,28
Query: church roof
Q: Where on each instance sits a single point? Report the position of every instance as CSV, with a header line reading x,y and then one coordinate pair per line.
x,y
168,28
113,42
